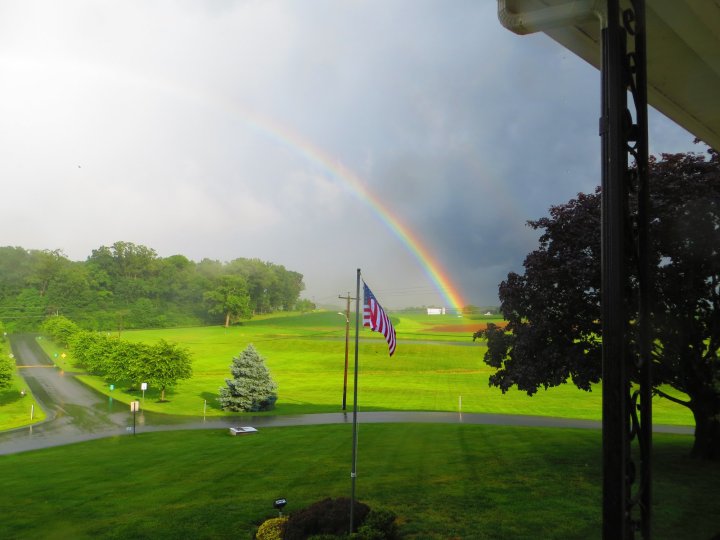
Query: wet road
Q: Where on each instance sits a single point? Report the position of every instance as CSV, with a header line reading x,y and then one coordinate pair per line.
x,y
78,413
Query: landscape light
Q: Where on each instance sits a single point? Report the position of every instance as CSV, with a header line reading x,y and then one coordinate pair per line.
x,y
279,504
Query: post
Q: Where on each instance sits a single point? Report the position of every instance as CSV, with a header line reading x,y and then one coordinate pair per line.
x,y
204,409
134,406
645,276
353,472
615,421
347,337
32,411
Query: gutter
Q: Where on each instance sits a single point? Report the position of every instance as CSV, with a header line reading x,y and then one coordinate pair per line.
x,y
569,13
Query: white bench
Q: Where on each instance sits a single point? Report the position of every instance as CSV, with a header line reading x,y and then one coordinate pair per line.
x,y
245,430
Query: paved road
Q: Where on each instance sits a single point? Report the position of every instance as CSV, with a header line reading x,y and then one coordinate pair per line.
x,y
78,413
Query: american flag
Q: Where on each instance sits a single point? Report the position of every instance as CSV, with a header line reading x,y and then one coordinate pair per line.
x,y
375,318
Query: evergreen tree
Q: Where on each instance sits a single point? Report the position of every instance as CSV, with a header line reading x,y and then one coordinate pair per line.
x,y
251,389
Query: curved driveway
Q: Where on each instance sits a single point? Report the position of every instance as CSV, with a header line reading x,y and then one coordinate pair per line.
x,y
77,413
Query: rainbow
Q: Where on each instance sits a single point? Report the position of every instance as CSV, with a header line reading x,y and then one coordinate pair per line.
x,y
433,269
277,132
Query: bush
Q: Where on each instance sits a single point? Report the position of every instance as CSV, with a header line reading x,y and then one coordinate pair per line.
x,y
272,529
379,525
326,517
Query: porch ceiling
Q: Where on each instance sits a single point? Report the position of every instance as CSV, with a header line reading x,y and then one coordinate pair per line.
x,y
683,52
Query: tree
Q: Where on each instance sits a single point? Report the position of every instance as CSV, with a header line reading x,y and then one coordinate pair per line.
x,y
553,310
229,298
163,365
7,370
60,329
251,389
304,305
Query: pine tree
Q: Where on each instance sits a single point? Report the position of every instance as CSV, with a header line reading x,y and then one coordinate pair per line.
x,y
251,389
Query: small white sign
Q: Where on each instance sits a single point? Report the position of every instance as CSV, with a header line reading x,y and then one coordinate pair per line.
x,y
134,406
143,386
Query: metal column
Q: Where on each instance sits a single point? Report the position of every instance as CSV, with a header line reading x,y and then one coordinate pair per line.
x,y
625,251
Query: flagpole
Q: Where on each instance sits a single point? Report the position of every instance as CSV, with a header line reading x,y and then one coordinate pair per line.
x,y
353,473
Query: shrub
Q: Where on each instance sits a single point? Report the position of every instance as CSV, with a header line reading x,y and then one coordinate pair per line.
x,y
272,529
378,525
326,517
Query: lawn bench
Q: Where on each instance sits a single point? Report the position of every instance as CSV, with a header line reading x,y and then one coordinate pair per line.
x,y
242,430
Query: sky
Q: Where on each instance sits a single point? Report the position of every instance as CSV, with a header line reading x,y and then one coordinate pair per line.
x,y
412,139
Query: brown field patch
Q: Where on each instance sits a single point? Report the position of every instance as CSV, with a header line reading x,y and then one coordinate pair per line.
x,y
474,327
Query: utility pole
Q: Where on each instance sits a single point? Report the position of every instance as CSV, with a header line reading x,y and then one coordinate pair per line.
x,y
347,337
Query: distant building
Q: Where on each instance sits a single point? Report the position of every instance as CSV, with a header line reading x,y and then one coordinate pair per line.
x,y
435,311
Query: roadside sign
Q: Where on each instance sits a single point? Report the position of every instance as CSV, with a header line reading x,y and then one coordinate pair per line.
x,y
134,406
143,386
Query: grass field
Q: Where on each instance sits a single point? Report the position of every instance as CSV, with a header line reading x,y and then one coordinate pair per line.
x,y
431,370
16,409
443,481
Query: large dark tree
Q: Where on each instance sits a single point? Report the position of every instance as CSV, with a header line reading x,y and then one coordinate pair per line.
x,y
554,314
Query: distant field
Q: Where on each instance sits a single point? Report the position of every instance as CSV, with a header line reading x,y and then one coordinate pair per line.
x,y
431,370
443,481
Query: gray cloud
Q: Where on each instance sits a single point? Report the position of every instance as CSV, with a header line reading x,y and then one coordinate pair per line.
x,y
216,129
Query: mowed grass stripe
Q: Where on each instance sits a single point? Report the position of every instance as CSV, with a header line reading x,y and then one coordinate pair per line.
x,y
444,481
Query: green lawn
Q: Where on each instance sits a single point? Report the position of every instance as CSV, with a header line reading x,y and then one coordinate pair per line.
x,y
15,409
443,481
305,354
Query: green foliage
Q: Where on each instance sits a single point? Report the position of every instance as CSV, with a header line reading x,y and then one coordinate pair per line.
x,y
380,524
7,370
88,349
2,332
326,517
60,329
229,298
127,286
163,365
120,361
272,529
304,305
251,389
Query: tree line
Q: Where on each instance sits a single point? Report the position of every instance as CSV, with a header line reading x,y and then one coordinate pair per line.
x,y
119,361
129,286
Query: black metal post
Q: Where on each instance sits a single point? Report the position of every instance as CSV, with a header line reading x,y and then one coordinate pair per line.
x,y
625,239
615,439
